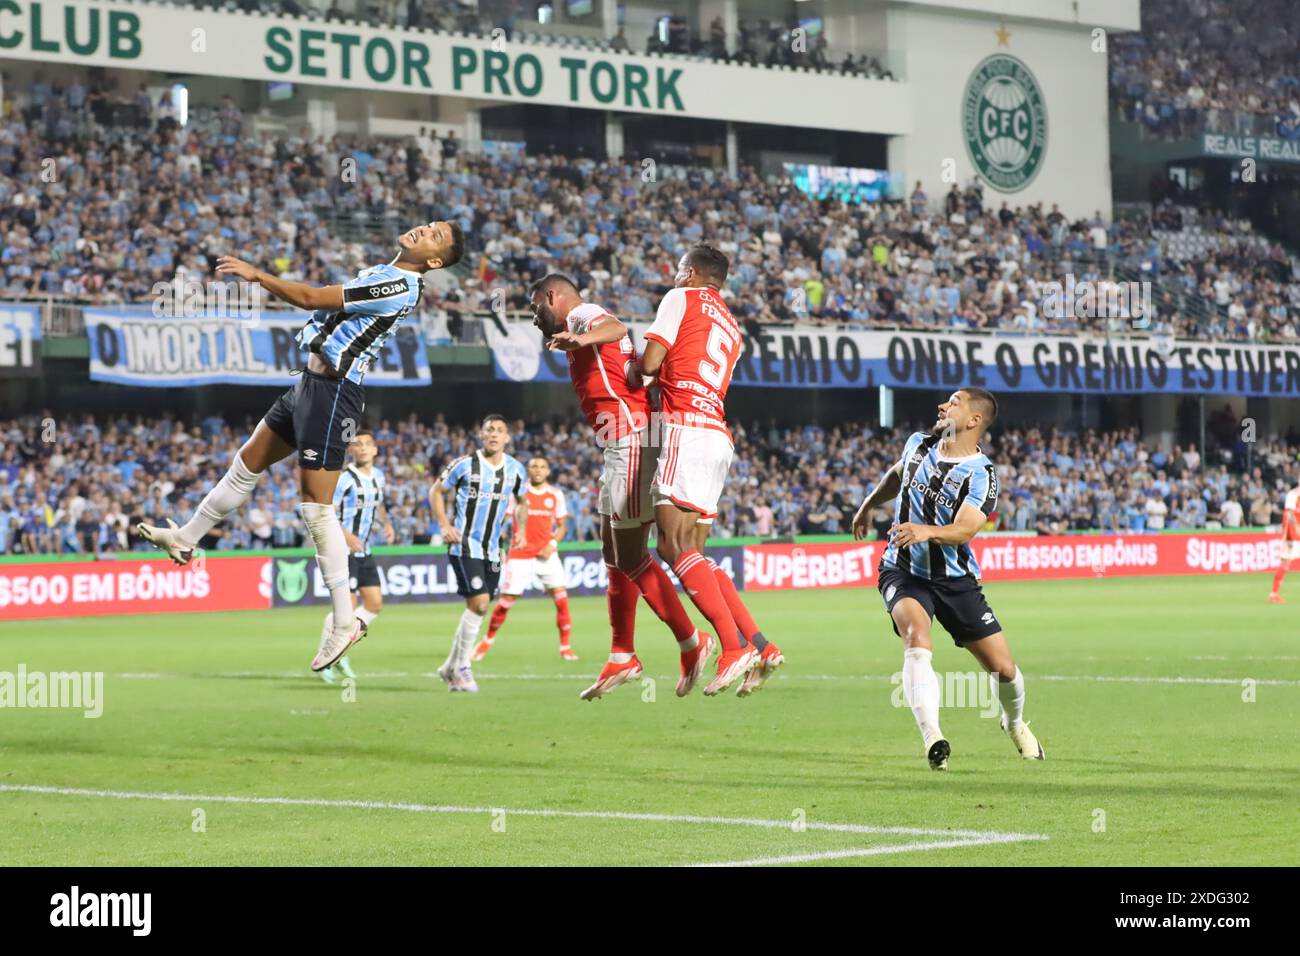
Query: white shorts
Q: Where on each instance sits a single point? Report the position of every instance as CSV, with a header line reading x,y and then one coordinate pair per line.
x,y
693,466
521,571
625,484
1290,550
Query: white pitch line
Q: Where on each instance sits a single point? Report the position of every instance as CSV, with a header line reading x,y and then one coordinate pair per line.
x,y
385,675
866,851
981,836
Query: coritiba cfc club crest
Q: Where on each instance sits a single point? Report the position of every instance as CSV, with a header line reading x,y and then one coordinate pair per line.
x,y
1004,122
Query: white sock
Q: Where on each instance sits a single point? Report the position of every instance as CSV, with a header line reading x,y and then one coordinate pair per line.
x,y
367,616
331,557
235,487
466,637
1012,695
921,686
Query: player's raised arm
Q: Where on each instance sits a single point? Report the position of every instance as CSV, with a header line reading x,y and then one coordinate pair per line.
x,y
659,338
887,490
605,329
300,294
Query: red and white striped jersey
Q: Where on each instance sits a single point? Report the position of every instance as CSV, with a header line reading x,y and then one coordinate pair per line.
x,y
703,343
599,376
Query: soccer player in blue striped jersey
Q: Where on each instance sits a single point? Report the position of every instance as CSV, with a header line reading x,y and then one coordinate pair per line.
x,y
349,324
481,485
946,488
359,499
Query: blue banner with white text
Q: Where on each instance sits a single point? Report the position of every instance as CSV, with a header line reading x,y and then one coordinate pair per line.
x,y
133,346
789,358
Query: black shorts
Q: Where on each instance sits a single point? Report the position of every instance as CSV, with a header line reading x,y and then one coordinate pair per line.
x,y
475,576
958,603
313,417
362,571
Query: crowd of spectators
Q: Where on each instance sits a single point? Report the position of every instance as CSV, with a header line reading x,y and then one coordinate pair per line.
x,y
1227,66
126,205
82,486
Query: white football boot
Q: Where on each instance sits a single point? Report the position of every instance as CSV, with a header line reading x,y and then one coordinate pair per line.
x,y
335,643
1023,738
164,539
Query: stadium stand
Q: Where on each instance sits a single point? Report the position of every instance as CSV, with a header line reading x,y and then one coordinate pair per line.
x,y
138,201
86,492
1212,65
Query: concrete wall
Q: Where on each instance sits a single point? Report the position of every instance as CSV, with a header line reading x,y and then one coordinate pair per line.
x,y
943,51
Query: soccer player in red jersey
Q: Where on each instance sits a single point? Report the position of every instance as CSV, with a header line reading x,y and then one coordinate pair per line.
x,y
692,348
1290,542
538,558
600,352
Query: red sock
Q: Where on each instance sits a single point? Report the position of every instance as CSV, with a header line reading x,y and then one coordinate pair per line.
x,y
562,620
697,578
621,594
499,615
737,607
658,590
1283,568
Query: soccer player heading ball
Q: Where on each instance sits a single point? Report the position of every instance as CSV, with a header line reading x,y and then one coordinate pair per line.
x,y
949,488
691,348
600,354
349,327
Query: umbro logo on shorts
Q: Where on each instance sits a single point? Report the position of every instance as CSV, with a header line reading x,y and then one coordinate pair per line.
x,y
309,454
988,617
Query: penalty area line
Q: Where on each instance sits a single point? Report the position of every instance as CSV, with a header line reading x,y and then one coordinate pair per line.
x,y
974,836
488,675
874,851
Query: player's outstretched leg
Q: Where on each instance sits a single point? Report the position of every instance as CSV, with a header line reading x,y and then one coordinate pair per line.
x,y
695,647
770,657
455,670
620,596
563,622
372,602
236,486
504,604
677,546
1275,595
326,533
994,655
920,683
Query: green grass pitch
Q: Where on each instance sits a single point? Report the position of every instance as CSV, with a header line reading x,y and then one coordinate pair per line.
x,y
1156,755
